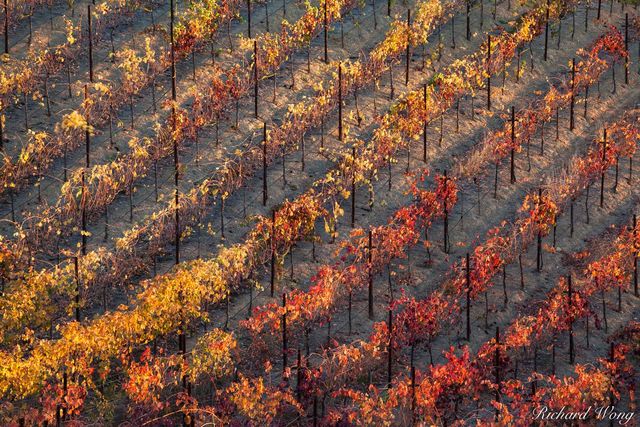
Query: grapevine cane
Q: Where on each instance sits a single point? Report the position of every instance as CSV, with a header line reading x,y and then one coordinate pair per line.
x,y
468,305
302,153
513,143
468,20
571,218
177,202
315,410
535,369
586,325
87,137
193,65
90,43
408,160
635,257
446,219
604,156
586,204
424,126
604,311
175,145
69,80
546,31
497,367
626,48
65,380
557,123
273,251
369,253
353,189
222,218
586,17
340,128
264,164
613,79
391,89
612,359
572,103
46,96
505,298
26,112
495,182
406,79
413,392
440,45
255,78
326,52
489,72
375,16
615,180
250,307
559,34
6,27
539,242
84,216
173,56
77,296
299,374
571,345
349,309
517,76
390,349
284,333
284,166
586,101
453,32
106,225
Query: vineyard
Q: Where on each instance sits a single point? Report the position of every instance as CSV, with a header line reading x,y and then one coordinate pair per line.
x,y
323,213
